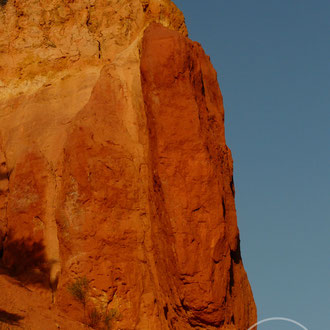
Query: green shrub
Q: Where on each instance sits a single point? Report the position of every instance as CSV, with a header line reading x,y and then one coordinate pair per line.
x,y
79,290
94,318
110,316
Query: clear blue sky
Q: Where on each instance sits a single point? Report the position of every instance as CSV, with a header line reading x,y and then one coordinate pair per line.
x,y
273,64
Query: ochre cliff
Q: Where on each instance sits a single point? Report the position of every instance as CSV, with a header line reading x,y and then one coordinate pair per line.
x,y
114,167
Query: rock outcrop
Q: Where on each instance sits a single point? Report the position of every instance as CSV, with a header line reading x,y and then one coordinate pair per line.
x,y
114,166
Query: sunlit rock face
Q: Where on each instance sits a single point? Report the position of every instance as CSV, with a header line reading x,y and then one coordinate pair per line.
x,y
114,167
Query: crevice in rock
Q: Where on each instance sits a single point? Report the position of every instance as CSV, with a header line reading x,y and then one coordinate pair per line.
x,y
223,209
165,308
235,258
231,277
88,18
202,83
5,175
1,245
184,306
232,186
236,254
145,7
99,48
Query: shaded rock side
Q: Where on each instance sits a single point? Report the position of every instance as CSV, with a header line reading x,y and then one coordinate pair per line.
x,y
115,167
193,204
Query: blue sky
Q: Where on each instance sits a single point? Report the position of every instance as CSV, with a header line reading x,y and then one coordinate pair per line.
x,y
273,64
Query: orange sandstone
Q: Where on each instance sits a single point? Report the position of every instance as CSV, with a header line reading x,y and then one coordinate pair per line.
x,y
114,166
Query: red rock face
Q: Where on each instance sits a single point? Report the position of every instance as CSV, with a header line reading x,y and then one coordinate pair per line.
x,y
120,172
193,205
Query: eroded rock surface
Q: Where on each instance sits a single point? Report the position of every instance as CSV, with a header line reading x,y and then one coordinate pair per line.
x,y
114,166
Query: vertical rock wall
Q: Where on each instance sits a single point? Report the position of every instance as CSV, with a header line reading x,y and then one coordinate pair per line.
x,y
114,166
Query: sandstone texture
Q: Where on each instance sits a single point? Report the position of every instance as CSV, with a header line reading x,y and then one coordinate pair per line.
x,y
114,167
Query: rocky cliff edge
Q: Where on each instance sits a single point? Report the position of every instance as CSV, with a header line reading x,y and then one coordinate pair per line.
x,y
114,169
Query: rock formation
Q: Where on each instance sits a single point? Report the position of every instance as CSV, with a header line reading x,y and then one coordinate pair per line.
x,y
114,167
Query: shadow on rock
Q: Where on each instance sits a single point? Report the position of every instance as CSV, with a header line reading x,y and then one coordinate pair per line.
x,y
25,260
10,318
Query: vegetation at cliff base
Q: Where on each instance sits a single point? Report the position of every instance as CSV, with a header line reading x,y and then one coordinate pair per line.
x,y
97,318
79,289
110,316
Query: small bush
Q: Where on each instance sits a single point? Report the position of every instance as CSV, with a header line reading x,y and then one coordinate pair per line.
x,y
108,318
3,2
94,318
79,290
